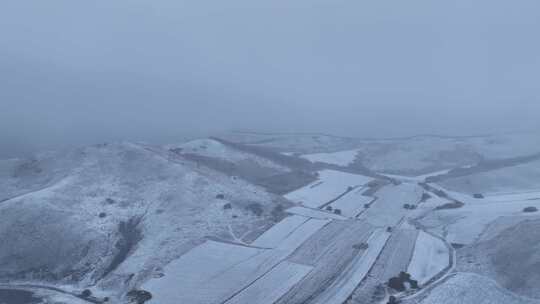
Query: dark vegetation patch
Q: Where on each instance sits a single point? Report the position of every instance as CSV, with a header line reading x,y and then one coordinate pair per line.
x,y
530,209
278,213
286,182
398,282
15,296
130,235
484,166
450,205
138,296
255,208
425,196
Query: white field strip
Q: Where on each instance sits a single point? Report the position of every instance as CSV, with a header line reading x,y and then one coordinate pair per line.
x,y
352,203
509,197
329,186
214,272
340,290
341,158
186,279
418,178
315,213
273,285
301,234
430,257
272,237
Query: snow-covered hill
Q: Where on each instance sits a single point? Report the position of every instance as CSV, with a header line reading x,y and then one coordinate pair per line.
x,y
115,214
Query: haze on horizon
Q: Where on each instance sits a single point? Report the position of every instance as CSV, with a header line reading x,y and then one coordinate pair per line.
x,y
81,72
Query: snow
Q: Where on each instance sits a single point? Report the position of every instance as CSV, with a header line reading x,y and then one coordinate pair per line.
x,y
388,210
215,149
301,234
187,279
352,203
340,290
464,225
341,158
217,271
314,213
430,257
469,288
273,285
330,185
279,232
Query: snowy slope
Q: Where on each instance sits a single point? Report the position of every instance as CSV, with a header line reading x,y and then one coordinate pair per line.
x,y
125,209
468,288
341,158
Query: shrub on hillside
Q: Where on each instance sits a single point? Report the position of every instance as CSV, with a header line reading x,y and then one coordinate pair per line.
x,y
255,208
451,205
138,296
530,209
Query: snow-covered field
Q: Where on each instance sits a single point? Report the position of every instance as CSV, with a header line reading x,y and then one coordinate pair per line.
x,y
329,186
193,277
388,210
201,229
315,213
272,285
430,257
341,158
464,225
352,203
344,285
213,272
279,232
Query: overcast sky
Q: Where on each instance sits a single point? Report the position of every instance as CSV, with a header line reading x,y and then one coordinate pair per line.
x,y
80,72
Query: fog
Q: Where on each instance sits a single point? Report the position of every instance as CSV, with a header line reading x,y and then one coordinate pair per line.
x,y
82,72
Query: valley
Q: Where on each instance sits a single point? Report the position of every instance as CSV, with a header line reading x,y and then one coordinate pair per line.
x,y
211,222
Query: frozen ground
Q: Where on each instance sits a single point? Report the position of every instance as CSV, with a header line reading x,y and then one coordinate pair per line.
x,y
510,256
273,285
410,156
330,252
279,232
464,225
468,288
353,203
394,258
340,290
315,213
430,257
114,213
195,222
330,185
388,209
215,272
518,178
214,149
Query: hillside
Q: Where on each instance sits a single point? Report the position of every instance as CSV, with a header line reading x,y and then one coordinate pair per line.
x,y
112,214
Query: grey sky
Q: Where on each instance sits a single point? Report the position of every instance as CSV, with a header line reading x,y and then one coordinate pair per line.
x,y
78,72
